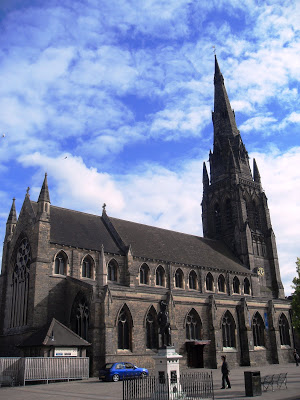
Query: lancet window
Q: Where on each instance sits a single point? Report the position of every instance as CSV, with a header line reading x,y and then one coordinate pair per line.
x,y
193,281
144,274
124,329
87,267
258,330
284,331
112,271
80,316
221,283
160,277
179,278
151,330
209,282
228,330
60,267
193,326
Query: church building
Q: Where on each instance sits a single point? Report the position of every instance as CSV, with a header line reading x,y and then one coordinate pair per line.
x,y
104,278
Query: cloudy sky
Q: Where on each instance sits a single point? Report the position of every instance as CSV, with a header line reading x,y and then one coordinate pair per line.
x,y
114,98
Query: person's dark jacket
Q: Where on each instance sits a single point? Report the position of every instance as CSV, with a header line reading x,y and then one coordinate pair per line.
x,y
224,368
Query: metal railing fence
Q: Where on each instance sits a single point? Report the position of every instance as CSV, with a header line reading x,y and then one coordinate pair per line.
x,y
188,386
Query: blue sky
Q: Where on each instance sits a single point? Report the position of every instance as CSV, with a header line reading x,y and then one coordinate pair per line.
x,y
124,90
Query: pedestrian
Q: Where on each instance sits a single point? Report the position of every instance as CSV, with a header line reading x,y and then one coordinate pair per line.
x,y
225,372
296,357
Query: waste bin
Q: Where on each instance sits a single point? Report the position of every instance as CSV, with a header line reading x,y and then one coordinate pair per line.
x,y
252,383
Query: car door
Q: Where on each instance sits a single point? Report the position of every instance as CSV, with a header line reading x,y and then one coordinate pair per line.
x,y
130,370
120,370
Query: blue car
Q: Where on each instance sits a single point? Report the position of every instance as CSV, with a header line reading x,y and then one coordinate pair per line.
x,y
120,370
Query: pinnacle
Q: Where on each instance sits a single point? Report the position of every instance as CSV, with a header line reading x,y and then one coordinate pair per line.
x,y
44,194
12,218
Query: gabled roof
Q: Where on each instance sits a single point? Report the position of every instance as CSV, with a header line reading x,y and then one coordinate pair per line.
x,y
162,244
54,334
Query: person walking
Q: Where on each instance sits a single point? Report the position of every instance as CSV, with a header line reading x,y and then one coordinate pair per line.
x,y
225,373
296,357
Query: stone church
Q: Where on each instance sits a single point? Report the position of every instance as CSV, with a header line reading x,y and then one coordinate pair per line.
x,y
104,278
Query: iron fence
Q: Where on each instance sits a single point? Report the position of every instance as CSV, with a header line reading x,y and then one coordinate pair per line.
x,y
187,387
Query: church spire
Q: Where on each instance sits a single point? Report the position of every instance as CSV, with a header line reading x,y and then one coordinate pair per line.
x,y
223,115
44,193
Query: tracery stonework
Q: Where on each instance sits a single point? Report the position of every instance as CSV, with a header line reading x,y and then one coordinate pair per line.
x,y
20,285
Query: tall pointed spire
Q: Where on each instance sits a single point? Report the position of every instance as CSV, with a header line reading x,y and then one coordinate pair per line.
x,y
223,115
12,218
44,194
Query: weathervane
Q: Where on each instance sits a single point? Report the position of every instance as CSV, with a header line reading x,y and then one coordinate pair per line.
x,y
104,205
214,47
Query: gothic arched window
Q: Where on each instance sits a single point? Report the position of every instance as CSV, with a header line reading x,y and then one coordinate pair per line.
x,y
218,222
221,283
256,215
284,331
60,267
193,326
246,286
80,316
144,274
151,330
209,282
20,285
179,278
228,330
160,276
193,281
87,267
112,271
236,285
228,210
124,329
258,330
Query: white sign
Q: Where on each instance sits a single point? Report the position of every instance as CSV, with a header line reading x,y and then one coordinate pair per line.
x,y
65,352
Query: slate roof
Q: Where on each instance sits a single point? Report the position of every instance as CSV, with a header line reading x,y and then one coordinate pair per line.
x,y
77,229
54,334
162,244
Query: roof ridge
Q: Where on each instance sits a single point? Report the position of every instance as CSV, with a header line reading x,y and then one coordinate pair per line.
x,y
70,209
165,229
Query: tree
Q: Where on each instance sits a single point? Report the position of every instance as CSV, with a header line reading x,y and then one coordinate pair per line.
x,y
296,299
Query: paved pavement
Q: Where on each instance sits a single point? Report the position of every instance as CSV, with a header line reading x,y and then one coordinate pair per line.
x,y
93,389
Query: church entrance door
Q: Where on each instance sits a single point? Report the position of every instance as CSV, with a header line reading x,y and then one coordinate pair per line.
x,y
195,355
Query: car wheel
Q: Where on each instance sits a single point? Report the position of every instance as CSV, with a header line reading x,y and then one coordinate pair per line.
x,y
115,378
143,375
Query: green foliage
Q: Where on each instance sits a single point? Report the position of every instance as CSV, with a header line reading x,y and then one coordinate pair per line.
x,y
296,299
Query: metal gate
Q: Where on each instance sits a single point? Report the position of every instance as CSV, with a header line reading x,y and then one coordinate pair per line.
x,y
187,387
